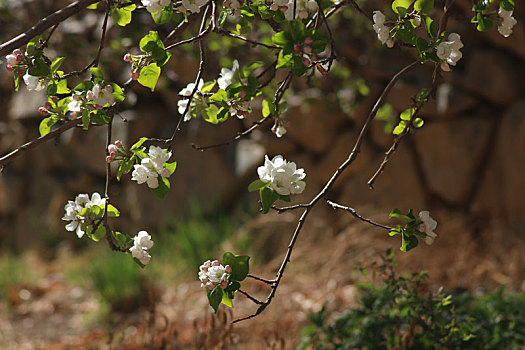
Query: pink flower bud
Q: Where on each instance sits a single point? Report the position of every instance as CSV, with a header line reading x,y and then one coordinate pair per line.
x,y
296,48
20,73
223,284
112,148
127,58
54,98
308,40
90,95
237,13
307,49
306,62
108,159
112,155
42,111
47,105
165,172
9,67
108,88
17,52
242,94
97,106
74,115
228,269
210,285
274,7
118,143
284,8
215,263
422,228
19,57
135,75
315,57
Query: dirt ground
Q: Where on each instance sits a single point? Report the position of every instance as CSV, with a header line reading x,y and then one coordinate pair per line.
x,y
53,314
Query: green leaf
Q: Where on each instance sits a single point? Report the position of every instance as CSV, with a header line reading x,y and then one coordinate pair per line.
x,y
62,87
285,198
112,211
39,69
123,15
57,62
400,128
171,166
282,39
239,264
163,189
268,197
407,114
214,298
92,6
408,242
124,167
284,60
400,6
418,122
407,33
85,119
484,23
507,5
219,96
138,143
45,125
122,239
152,44
256,185
267,108
396,214
31,45
251,67
232,288
97,74
207,86
298,31
298,67
98,234
210,114
226,300
395,231
430,26
149,76
424,6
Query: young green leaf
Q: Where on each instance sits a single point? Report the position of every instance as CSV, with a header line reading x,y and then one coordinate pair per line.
x,y
268,197
149,76
214,298
424,6
239,264
256,185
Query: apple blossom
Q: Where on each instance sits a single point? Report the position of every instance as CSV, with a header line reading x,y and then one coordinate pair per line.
x,y
382,31
101,96
155,6
193,5
73,209
448,51
142,243
226,76
428,226
187,91
146,172
213,273
34,83
283,176
507,22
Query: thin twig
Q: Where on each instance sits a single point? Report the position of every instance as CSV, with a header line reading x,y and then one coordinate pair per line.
x,y
261,279
225,32
291,207
355,214
256,301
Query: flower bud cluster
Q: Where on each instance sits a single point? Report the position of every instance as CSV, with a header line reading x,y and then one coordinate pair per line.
x,y
305,50
150,168
142,243
382,31
14,59
116,151
283,176
136,62
303,10
507,22
19,63
212,274
448,51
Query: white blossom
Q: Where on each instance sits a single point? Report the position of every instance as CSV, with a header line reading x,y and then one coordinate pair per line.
x,y
73,209
183,103
155,6
34,83
382,31
448,51
11,59
284,177
304,8
74,104
101,95
212,273
428,226
146,172
158,156
142,243
226,76
507,22
193,6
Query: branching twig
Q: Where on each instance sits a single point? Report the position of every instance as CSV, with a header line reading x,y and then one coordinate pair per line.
x,y
261,279
256,301
355,214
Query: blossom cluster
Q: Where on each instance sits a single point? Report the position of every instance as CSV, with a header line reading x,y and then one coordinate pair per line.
x,y
142,243
116,151
155,6
151,167
18,62
183,103
507,22
283,176
101,96
193,6
306,51
74,208
382,31
212,273
428,226
448,51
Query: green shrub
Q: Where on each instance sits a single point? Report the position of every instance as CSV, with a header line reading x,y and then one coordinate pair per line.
x,y
399,315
